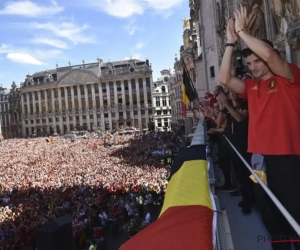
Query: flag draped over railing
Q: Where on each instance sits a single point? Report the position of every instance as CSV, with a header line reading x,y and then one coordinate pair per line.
x,y
187,219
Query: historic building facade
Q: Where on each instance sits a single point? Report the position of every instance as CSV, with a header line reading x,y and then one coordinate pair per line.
x,y
87,97
10,112
4,111
161,101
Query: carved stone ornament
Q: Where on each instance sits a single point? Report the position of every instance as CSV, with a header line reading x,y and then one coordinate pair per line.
x,y
78,77
256,19
293,38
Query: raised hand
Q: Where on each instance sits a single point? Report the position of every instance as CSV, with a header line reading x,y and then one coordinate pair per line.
x,y
240,18
223,99
232,37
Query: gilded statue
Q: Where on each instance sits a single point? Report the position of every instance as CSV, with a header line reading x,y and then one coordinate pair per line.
x,y
285,11
186,23
292,10
256,20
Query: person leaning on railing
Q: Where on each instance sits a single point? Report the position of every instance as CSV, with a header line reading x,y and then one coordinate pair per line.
x,y
235,111
274,119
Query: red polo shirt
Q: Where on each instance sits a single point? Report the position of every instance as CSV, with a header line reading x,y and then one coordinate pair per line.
x,y
274,115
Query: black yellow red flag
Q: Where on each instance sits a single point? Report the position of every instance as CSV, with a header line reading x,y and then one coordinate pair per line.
x,y
187,219
188,92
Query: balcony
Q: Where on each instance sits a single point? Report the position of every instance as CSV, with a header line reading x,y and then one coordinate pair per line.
x,y
234,230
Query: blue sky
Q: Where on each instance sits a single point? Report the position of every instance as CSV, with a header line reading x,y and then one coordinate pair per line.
x,y
37,34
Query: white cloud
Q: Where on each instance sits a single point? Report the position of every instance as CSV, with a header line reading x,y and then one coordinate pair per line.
x,y
4,48
51,42
30,9
127,8
66,30
131,28
39,55
137,56
118,8
163,5
23,58
139,45
46,54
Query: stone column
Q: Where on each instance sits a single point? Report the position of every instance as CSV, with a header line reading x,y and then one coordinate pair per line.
x,y
109,105
60,112
79,105
34,111
40,111
138,103
94,107
73,106
124,101
47,111
53,111
67,110
131,103
87,114
23,115
145,101
101,112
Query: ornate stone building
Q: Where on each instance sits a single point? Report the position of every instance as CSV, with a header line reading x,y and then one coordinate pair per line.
x,y
10,112
161,101
4,111
87,97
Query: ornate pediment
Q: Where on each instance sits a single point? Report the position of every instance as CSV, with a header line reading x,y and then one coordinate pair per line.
x,y
76,77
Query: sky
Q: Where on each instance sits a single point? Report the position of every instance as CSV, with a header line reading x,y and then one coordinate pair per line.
x,y
37,34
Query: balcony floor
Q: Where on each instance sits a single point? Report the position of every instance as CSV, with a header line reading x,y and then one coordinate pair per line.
x,y
245,229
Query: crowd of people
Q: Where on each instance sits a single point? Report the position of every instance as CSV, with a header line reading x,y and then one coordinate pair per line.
x,y
91,179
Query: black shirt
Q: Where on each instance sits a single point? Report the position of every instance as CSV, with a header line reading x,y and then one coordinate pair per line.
x,y
237,130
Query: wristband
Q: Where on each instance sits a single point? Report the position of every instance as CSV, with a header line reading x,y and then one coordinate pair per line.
x,y
244,29
230,44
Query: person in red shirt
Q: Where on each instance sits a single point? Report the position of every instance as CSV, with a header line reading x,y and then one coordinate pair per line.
x,y
274,120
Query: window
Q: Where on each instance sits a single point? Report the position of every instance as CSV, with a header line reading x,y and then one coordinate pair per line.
x,y
89,89
212,71
126,85
159,124
133,84
81,89
163,89
97,102
157,102
111,87
164,101
119,86
104,87
75,91
148,82
119,99
96,88
140,83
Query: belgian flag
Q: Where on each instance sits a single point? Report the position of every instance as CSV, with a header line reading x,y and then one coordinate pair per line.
x,y
187,219
188,92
